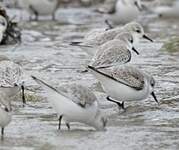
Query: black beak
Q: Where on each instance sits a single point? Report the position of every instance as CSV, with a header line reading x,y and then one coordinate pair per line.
x,y
108,24
135,50
137,5
23,95
12,36
6,109
154,96
147,38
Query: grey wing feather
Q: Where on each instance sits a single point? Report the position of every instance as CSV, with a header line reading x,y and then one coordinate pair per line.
x,y
101,38
111,54
79,94
128,75
10,73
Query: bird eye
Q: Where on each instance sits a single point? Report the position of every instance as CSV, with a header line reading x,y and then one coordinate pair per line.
x,y
3,23
131,41
152,82
15,84
138,31
6,109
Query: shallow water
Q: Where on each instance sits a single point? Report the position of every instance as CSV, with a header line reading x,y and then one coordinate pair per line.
x,y
45,52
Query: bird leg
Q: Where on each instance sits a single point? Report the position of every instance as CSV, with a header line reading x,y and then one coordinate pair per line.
x,y
53,16
35,12
109,25
68,126
2,134
23,95
120,105
59,124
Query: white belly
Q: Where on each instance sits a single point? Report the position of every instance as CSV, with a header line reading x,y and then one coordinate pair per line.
x,y
73,112
5,118
124,13
120,91
10,92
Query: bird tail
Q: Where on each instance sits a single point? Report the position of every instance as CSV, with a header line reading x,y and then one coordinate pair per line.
x,y
79,44
48,88
75,43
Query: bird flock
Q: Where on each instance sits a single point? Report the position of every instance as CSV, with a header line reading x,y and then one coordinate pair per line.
x,y
110,52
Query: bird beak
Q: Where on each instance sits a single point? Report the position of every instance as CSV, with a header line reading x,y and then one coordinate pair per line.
x,y
135,50
138,6
147,38
12,36
23,95
154,96
108,24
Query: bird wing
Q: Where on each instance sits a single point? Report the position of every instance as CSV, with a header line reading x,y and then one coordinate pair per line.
x,y
111,53
129,76
79,94
10,73
76,93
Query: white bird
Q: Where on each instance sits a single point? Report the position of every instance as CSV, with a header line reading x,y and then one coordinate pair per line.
x,y
75,104
40,7
90,43
114,52
125,83
125,11
5,114
168,11
3,27
10,78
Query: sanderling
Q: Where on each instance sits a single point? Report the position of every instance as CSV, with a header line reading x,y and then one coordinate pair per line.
x,y
75,104
3,27
125,83
114,52
137,31
5,114
125,11
168,11
90,42
40,7
9,30
10,75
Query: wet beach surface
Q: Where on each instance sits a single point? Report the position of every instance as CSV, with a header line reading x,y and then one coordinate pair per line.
x,y
46,53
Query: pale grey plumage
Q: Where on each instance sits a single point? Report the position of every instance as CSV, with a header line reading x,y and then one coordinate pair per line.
x,y
10,73
75,104
114,52
100,38
4,103
79,94
127,75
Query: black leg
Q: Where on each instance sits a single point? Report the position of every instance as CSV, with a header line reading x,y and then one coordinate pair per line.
x,y
2,133
30,18
35,12
23,95
53,17
68,126
59,124
120,105
84,71
36,16
109,25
